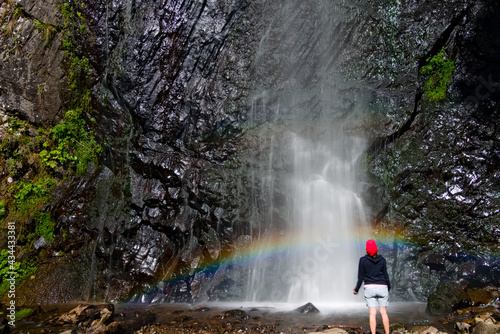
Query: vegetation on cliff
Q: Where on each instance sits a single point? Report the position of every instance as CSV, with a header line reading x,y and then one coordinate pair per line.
x,y
38,158
438,72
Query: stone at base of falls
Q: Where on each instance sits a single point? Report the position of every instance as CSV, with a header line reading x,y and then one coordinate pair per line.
x,y
335,331
448,297
236,314
424,330
86,314
98,319
485,328
130,326
455,295
307,308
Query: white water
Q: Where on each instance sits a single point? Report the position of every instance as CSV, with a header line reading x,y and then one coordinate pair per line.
x,y
318,250
309,213
327,216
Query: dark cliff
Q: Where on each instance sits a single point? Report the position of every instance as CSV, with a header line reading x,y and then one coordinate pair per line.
x,y
170,85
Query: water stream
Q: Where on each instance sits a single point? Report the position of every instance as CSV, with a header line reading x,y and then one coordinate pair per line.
x,y
310,210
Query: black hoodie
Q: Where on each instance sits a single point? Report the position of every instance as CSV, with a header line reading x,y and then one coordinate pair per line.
x,y
372,270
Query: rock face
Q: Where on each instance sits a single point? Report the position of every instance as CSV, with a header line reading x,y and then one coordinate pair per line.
x,y
32,74
167,100
171,86
444,157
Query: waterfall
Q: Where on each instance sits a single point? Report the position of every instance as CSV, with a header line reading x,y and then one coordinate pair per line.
x,y
310,212
327,214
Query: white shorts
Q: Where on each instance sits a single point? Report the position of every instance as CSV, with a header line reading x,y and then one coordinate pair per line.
x,y
377,297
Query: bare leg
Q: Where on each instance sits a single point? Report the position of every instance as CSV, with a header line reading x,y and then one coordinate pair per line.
x,y
373,319
385,318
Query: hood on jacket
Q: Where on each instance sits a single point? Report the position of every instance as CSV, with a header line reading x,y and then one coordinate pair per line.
x,y
376,259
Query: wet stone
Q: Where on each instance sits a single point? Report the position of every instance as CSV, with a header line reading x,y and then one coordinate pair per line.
x,y
307,308
236,314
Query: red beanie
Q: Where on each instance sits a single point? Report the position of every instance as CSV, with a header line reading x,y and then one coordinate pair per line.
x,y
371,247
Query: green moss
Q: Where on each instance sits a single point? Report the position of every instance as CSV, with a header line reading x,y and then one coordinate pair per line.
x,y
45,226
30,196
24,313
3,209
438,73
8,266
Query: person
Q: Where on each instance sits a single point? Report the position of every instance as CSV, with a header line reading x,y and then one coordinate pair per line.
x,y
372,270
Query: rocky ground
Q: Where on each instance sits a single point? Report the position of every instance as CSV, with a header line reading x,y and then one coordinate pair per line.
x,y
187,318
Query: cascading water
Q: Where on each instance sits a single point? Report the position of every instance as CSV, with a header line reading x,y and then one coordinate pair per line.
x,y
326,218
308,162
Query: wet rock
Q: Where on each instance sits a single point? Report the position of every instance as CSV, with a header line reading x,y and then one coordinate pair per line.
x,y
87,314
427,162
182,318
485,328
448,296
45,11
146,191
201,309
467,270
307,308
479,296
130,326
422,322
240,314
335,331
462,327
32,78
425,329
435,262
397,327
488,316
40,242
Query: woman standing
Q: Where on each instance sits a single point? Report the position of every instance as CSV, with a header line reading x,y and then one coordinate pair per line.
x,y
372,271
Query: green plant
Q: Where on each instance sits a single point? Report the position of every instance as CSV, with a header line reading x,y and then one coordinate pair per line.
x,y
3,209
46,29
45,226
15,125
71,144
24,313
7,267
30,196
439,74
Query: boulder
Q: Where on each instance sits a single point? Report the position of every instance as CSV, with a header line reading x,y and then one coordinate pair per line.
x,y
307,308
462,327
236,314
87,315
130,326
335,331
479,296
448,297
425,329
485,328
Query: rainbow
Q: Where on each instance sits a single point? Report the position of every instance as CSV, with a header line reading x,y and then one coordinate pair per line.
x,y
273,247
279,245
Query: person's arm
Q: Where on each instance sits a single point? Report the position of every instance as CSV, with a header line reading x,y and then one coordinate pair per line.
x,y
361,275
386,275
